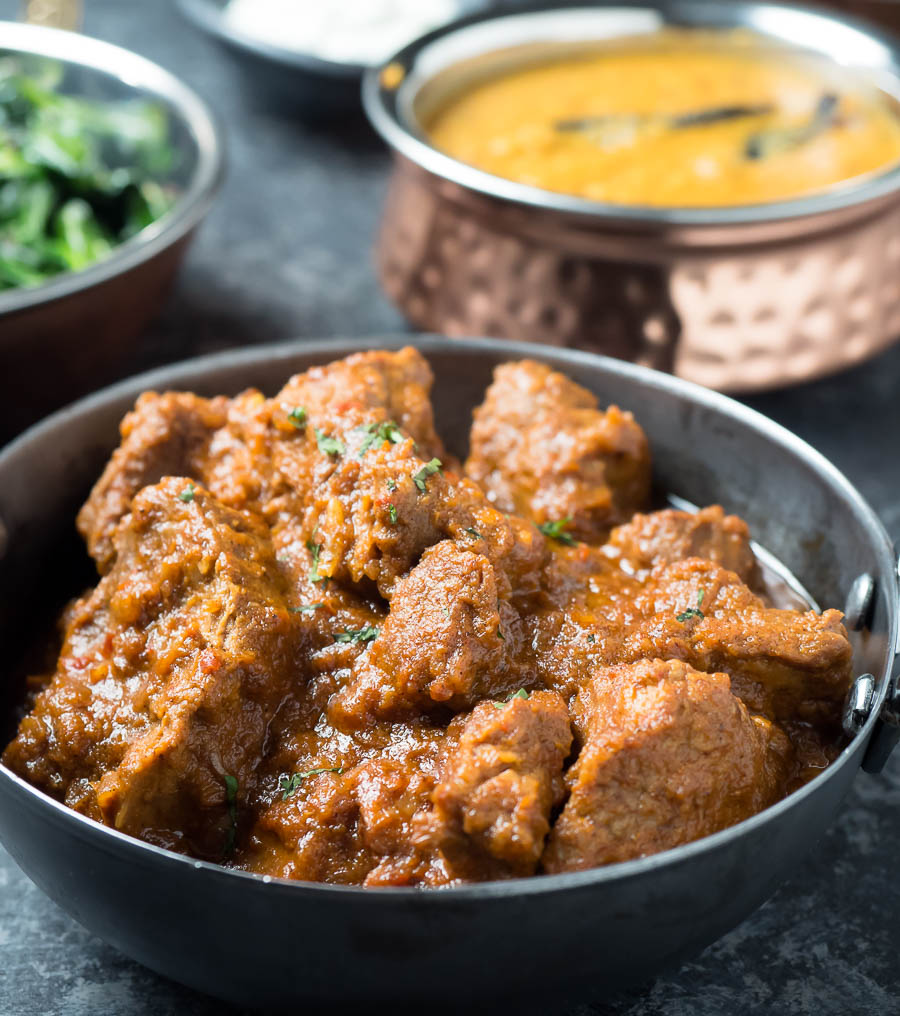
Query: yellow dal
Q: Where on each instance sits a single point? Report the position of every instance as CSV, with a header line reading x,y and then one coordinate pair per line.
x,y
506,126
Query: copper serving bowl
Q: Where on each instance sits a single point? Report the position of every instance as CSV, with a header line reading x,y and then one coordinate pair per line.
x,y
738,298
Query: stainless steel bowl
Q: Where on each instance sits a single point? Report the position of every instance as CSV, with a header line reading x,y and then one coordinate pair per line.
x,y
738,298
269,942
62,338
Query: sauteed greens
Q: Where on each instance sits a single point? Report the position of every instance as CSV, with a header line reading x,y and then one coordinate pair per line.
x,y
78,176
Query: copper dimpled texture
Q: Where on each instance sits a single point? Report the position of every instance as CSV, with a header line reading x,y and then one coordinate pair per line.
x,y
792,302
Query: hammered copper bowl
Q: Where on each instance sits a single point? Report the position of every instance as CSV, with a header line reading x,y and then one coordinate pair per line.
x,y
266,941
738,298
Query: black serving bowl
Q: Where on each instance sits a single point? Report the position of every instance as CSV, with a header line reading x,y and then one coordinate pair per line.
x,y
63,338
261,941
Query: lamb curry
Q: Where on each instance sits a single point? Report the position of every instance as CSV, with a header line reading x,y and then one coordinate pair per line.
x,y
320,648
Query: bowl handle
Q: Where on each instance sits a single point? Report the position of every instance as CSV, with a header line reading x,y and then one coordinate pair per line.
x,y
887,730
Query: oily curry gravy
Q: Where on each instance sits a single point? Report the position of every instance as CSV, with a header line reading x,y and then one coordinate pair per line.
x,y
680,119
321,648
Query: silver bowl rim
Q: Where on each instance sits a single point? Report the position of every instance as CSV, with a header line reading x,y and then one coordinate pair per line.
x,y
383,108
145,78
107,838
207,15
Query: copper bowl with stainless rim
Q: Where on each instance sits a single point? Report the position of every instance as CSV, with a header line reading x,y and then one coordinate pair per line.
x,y
737,298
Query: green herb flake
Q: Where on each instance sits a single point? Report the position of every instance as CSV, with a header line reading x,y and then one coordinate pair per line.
x,y
289,785
392,514
378,433
391,484
187,495
473,533
556,531
591,638
358,635
306,608
429,469
700,596
315,549
297,416
520,694
500,635
686,615
231,789
329,445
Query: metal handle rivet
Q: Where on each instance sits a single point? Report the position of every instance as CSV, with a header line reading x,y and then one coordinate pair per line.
x,y
859,602
859,704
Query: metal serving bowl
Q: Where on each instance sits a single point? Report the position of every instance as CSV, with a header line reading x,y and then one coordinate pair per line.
x,y
304,83
737,298
60,339
262,941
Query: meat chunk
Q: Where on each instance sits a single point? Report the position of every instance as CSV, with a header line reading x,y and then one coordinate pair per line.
x,y
541,448
169,676
493,803
667,536
783,663
165,435
443,643
669,755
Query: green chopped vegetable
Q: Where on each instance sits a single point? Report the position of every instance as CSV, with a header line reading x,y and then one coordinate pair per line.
x,y
392,513
78,176
521,693
391,484
358,635
328,444
297,416
315,549
556,531
306,608
289,785
429,469
187,495
473,533
378,433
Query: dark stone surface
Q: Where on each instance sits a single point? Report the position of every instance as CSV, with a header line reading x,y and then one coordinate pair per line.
x,y
286,252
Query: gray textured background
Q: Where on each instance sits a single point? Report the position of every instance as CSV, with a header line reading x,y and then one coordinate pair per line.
x,y
286,252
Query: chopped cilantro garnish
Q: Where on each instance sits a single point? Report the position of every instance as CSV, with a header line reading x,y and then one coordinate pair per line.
x,y
392,512
187,495
329,445
231,789
289,785
358,635
391,484
521,693
315,549
297,416
591,638
378,433
306,608
473,533
700,596
429,469
556,531
686,615
500,635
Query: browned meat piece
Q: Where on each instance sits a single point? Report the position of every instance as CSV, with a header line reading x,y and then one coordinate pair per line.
x,y
165,435
783,663
445,643
354,822
540,447
669,755
493,802
668,536
170,674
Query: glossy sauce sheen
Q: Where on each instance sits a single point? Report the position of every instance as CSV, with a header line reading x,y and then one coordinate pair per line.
x,y
321,649
524,125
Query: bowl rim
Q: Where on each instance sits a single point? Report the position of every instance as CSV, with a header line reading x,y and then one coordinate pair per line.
x,y
187,371
144,77
208,16
384,108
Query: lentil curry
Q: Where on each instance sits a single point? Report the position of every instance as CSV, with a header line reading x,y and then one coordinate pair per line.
x,y
322,649
681,119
